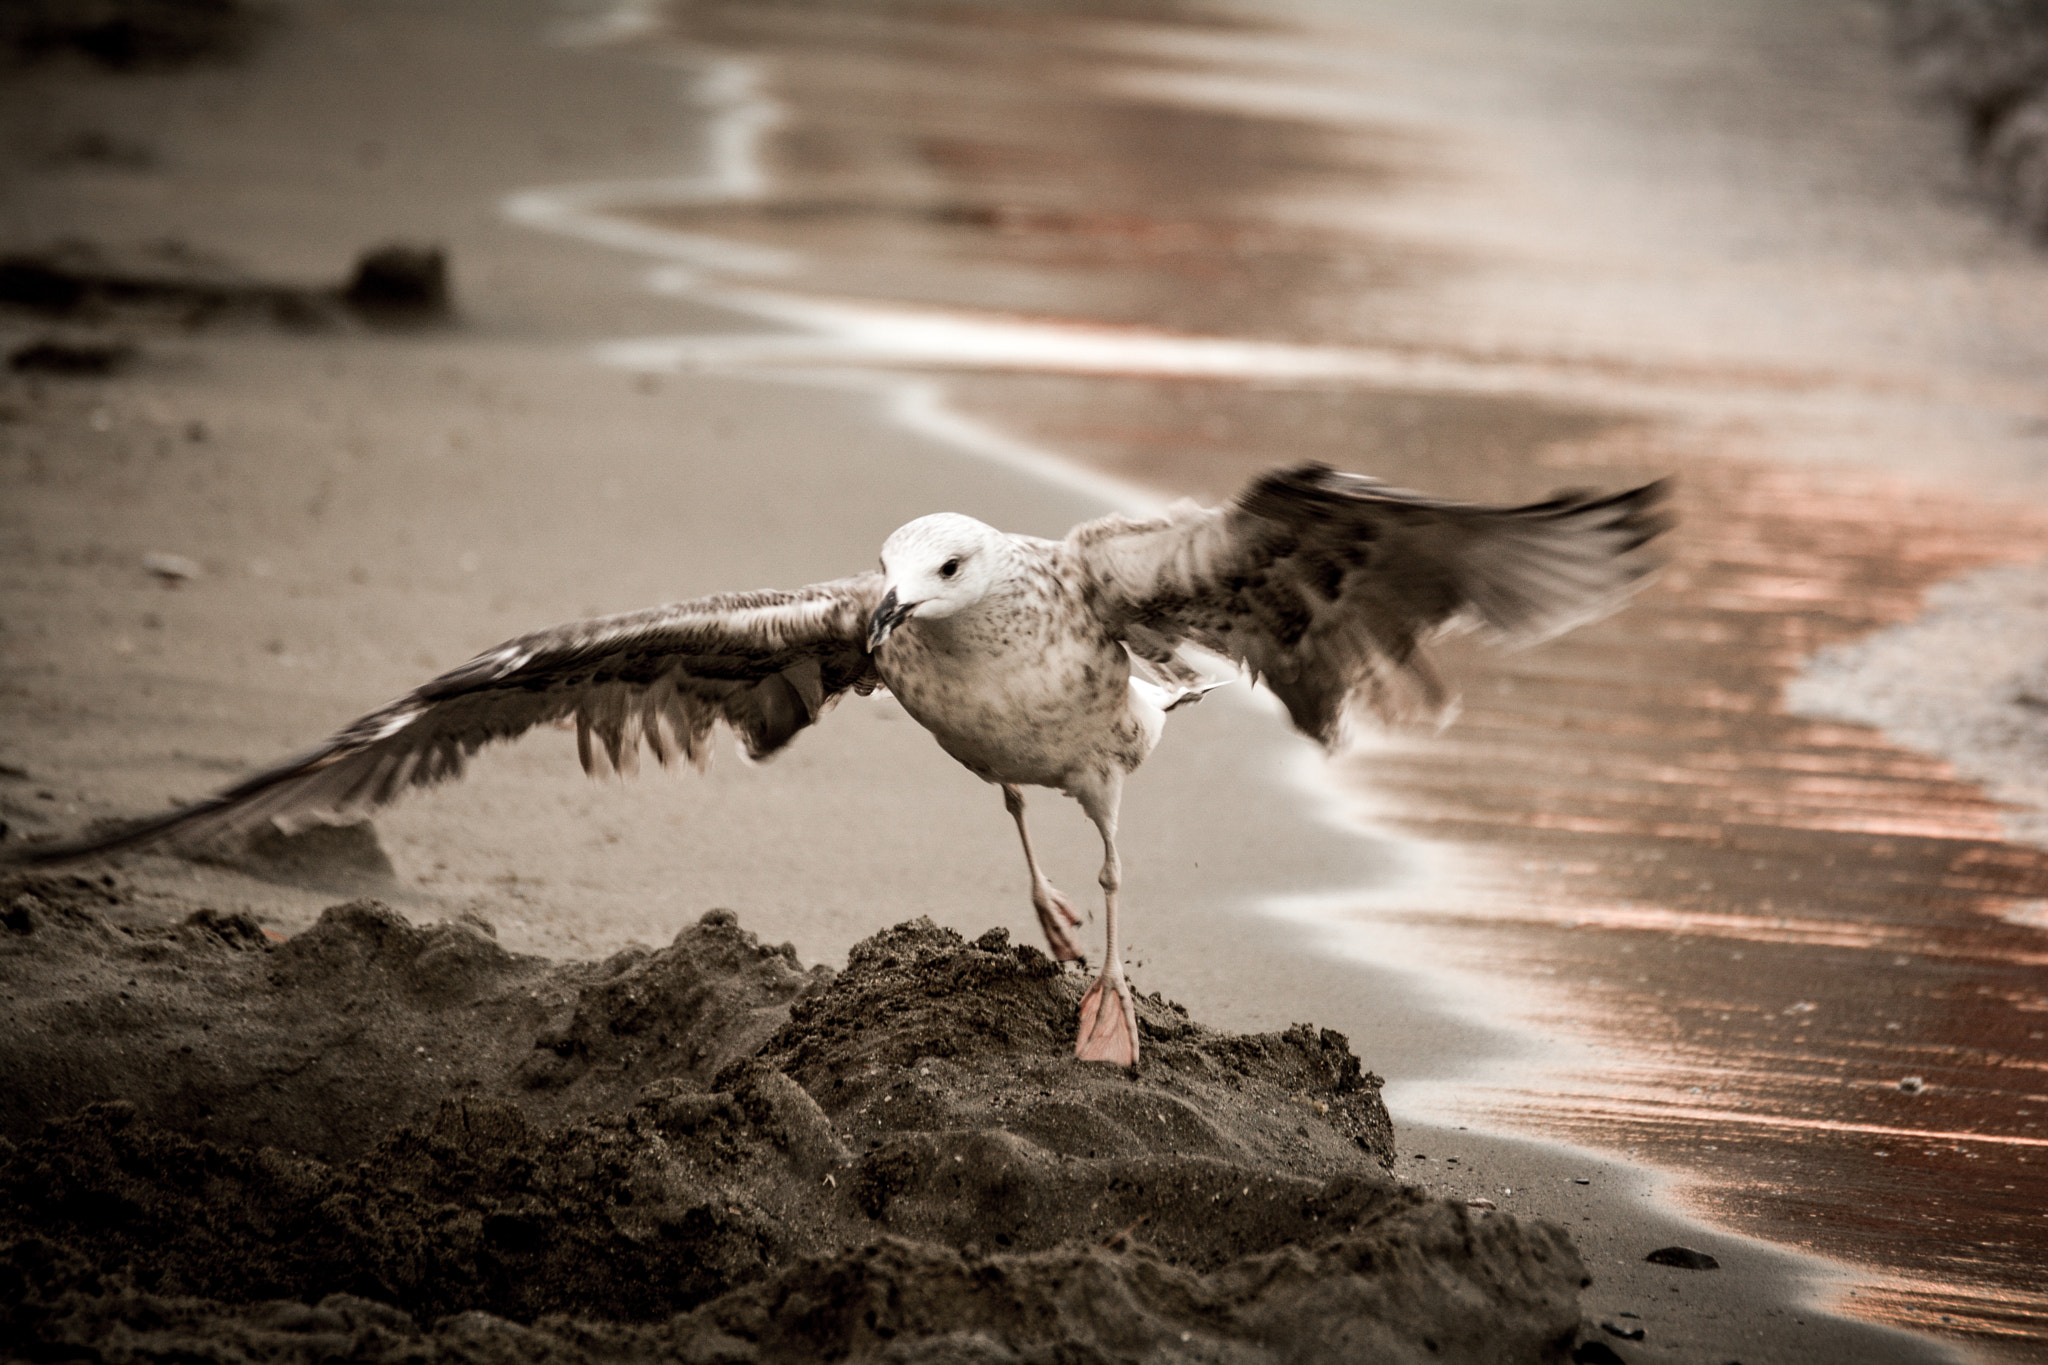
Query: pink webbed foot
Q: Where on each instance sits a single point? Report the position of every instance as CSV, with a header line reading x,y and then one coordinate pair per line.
x,y
1055,916
1109,1022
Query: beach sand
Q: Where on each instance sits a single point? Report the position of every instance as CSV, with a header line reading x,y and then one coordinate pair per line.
x,y
367,507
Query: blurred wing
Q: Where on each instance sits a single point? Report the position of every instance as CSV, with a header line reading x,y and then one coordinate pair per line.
x,y
1327,584
766,663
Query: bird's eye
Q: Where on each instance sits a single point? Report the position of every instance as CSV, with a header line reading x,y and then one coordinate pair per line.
x,y
949,568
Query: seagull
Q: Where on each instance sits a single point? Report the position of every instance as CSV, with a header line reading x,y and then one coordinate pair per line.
x,y
1033,662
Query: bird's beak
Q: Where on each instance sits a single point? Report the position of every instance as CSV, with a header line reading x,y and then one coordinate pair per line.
x,y
887,617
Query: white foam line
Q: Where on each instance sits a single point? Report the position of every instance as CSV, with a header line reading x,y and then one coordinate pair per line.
x,y
573,212
847,333
858,332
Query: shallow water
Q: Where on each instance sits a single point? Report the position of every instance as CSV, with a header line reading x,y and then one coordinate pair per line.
x,y
1764,924
1784,918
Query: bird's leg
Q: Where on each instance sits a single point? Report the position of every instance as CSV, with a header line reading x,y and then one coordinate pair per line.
x,y
1109,1020
1055,912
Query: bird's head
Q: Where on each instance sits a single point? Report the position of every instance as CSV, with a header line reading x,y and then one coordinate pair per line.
x,y
934,567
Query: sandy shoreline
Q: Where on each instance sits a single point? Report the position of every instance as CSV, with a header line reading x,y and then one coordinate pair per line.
x,y
367,509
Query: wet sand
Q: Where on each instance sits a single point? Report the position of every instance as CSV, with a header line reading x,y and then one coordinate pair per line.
x,y
372,507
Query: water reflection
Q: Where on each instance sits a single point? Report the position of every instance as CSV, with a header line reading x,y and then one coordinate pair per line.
x,y
937,156
1802,931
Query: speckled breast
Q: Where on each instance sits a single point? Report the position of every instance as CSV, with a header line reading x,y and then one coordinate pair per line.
x,y
1019,703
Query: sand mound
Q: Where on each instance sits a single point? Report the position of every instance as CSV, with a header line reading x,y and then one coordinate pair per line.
x,y
381,1141
322,1044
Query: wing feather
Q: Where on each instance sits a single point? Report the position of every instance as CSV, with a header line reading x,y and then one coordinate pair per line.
x,y
767,664
1327,586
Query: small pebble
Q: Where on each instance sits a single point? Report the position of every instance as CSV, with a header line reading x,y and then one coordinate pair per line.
x,y
170,568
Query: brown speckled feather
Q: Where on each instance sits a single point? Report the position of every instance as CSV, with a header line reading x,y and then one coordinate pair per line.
x,y
1327,585
766,663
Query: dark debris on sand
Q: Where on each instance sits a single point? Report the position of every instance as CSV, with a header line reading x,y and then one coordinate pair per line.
x,y
169,283
382,1141
126,35
91,359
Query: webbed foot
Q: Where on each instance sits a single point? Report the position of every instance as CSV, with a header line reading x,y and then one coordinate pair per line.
x,y
1056,915
1109,1022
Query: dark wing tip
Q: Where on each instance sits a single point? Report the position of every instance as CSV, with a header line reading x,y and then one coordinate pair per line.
x,y
1646,498
1648,512
1640,514
1281,493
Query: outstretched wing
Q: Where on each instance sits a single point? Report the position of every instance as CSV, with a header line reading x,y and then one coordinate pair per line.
x,y
766,663
1327,585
